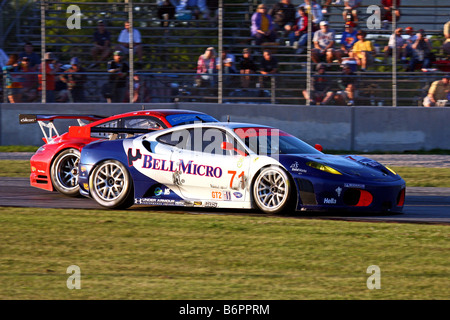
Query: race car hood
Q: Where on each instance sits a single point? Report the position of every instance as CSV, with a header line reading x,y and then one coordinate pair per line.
x,y
349,166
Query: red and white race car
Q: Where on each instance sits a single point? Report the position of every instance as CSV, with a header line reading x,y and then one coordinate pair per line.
x,y
54,166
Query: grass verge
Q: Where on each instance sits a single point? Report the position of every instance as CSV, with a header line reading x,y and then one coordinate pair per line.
x,y
139,254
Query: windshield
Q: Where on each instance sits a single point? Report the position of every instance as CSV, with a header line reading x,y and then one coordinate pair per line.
x,y
270,141
179,119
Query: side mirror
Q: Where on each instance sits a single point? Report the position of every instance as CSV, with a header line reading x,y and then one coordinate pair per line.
x,y
230,147
318,147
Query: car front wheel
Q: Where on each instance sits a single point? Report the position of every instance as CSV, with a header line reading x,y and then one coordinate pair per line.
x,y
272,190
111,186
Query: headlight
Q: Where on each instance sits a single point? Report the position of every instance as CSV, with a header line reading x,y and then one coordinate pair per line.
x,y
391,170
322,167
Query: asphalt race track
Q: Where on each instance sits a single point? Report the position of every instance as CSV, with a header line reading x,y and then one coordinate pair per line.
x,y
422,205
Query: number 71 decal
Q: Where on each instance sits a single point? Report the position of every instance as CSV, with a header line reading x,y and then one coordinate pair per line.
x,y
240,176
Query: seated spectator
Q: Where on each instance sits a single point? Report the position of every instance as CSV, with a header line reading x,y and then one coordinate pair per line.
x,y
446,45
396,40
229,61
206,67
439,90
298,36
387,6
3,58
102,44
410,38
350,12
363,51
166,12
347,85
323,44
283,15
196,8
267,66
13,82
35,59
247,65
262,29
421,52
124,41
51,68
348,39
118,71
74,80
325,5
317,15
29,84
320,87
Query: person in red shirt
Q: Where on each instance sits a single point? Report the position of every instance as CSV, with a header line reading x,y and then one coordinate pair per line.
x,y
386,11
51,67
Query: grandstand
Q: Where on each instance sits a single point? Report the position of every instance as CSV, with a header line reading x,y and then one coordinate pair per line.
x,y
171,53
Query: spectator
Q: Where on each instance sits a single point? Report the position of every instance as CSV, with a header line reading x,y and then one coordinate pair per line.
x,y
166,12
397,40
74,80
196,8
35,59
3,58
51,68
13,83
141,92
348,39
421,52
267,66
347,85
229,61
213,10
363,51
439,90
206,67
350,12
299,34
247,66
325,5
446,45
262,29
283,15
323,44
102,44
316,13
320,87
410,38
118,70
29,84
387,7
124,41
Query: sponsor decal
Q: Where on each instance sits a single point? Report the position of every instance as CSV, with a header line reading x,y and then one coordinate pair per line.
x,y
354,185
182,167
237,195
221,195
158,191
166,191
329,201
86,186
211,204
294,167
159,202
197,203
240,162
338,191
33,169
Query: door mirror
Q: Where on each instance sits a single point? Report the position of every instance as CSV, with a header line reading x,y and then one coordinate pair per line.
x,y
318,147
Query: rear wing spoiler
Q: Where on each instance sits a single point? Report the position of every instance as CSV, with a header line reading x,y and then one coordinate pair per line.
x,y
85,132
45,121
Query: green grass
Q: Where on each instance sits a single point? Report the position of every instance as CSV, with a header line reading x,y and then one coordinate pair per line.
x,y
18,148
414,176
139,254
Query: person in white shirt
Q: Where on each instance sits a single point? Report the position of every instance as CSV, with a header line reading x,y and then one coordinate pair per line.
x,y
124,41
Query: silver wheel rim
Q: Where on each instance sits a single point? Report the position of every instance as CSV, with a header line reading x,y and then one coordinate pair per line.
x,y
271,190
67,171
109,181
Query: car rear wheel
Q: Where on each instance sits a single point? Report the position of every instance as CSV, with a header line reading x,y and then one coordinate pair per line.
x,y
272,190
111,186
64,172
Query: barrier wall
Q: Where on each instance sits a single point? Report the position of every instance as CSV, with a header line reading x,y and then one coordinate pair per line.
x,y
334,127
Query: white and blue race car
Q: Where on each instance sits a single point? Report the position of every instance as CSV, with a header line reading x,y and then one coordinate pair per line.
x,y
234,165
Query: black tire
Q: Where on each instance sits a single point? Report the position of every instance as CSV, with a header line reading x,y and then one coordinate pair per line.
x,y
64,172
271,190
111,186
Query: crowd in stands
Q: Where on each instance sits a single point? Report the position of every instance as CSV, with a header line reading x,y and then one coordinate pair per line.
x,y
270,25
